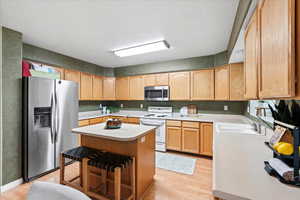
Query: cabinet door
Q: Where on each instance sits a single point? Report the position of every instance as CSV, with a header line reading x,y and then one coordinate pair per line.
x,y
162,79
206,139
86,89
136,87
97,120
133,120
277,29
251,58
73,75
222,83
237,81
190,140
174,138
84,122
122,88
179,85
203,85
109,88
97,87
149,80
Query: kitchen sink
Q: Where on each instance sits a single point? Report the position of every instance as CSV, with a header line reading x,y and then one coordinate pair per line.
x,y
236,128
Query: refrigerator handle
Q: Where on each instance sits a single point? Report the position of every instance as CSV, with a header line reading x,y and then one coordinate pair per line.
x,y
56,118
52,118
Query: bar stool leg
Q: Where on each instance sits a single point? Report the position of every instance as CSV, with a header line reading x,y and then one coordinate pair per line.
x,y
103,180
62,169
81,172
85,175
117,177
133,178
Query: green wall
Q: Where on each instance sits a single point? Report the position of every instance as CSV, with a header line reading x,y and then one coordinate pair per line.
x,y
174,65
37,54
1,105
11,105
52,58
234,107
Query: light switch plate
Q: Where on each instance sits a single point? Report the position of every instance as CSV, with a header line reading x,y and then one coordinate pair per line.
x,y
141,106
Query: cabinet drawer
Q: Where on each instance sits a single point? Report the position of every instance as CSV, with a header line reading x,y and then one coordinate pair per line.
x,y
173,123
83,123
187,124
96,120
133,120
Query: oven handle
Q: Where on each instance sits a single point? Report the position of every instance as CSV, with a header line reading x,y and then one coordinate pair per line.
x,y
151,124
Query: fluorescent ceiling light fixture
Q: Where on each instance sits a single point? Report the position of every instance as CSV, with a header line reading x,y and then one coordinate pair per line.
x,y
141,49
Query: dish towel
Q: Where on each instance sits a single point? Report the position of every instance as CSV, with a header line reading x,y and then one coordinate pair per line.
x,y
282,169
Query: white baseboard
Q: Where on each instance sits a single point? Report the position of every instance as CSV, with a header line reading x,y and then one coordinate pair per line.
x,y
11,185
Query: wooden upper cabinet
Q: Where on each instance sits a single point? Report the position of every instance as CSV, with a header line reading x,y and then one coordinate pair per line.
x,y
73,75
122,88
136,88
97,87
251,58
236,81
277,30
206,139
222,83
156,79
162,79
109,89
179,85
86,89
203,85
149,80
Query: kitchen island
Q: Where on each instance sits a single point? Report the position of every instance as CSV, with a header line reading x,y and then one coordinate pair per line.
x,y
130,139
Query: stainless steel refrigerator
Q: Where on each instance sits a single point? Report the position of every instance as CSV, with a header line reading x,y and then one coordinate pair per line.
x,y
50,111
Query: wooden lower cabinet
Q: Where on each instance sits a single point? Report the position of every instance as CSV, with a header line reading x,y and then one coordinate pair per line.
x,y
97,120
82,123
132,120
206,139
174,138
190,137
190,140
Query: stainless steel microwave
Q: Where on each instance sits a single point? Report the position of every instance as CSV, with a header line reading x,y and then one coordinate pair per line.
x,y
156,93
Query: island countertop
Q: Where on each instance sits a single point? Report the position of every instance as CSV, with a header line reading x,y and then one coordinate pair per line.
x,y
127,132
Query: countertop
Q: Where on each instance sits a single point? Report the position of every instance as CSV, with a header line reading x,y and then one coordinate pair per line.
x,y
238,169
127,132
214,118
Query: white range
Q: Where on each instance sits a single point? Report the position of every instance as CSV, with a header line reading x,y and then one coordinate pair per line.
x,y
156,118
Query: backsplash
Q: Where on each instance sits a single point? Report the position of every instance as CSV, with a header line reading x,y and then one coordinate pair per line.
x,y
237,107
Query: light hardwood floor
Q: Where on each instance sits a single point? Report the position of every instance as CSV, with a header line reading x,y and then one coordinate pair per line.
x,y
167,186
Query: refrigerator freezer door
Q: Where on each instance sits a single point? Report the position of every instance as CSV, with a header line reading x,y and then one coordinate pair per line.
x,y
40,145
66,116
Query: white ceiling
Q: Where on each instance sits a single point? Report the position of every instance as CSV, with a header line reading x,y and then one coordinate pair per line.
x,y
90,29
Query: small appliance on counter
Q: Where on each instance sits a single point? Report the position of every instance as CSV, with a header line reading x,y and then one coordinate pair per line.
x,y
113,124
192,109
184,111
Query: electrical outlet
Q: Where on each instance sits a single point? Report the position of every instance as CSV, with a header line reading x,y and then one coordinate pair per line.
x,y
225,108
141,106
121,105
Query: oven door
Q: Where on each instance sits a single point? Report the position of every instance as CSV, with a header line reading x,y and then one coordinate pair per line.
x,y
156,93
